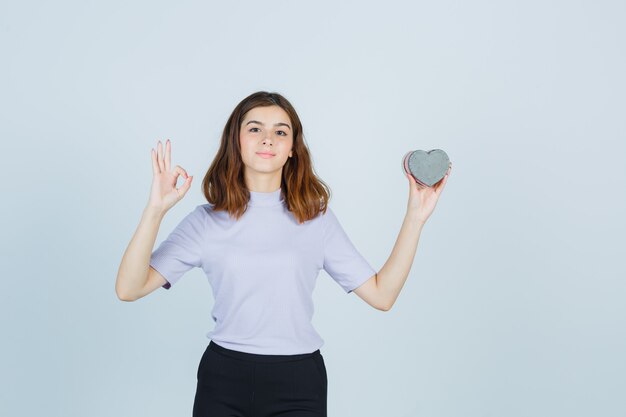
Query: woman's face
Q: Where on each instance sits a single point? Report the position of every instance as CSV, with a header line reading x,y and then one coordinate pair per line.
x,y
266,130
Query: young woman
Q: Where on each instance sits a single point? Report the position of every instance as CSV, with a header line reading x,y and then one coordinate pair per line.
x,y
262,239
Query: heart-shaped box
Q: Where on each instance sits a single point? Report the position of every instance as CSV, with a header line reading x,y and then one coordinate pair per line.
x,y
427,168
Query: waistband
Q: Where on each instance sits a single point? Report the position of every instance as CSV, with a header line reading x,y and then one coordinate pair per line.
x,y
256,357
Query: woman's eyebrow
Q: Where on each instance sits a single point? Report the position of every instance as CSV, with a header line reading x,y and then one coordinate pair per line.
x,y
276,124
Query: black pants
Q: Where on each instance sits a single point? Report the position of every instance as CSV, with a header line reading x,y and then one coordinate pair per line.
x,y
233,383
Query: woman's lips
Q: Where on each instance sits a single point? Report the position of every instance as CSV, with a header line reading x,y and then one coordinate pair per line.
x,y
265,155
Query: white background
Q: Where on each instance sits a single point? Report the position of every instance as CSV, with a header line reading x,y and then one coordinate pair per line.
x,y
515,301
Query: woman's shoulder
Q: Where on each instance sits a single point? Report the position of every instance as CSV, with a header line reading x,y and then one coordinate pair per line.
x,y
202,212
205,207
325,215
208,210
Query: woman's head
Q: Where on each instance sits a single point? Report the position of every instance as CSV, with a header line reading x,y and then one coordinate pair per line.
x,y
264,122
266,144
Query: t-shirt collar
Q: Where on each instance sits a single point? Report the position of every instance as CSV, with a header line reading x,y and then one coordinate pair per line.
x,y
260,199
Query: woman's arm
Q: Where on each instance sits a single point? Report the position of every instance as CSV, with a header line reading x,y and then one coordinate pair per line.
x,y
393,274
134,268
135,278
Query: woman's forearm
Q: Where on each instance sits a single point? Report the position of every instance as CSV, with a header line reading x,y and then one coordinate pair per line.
x,y
393,274
133,271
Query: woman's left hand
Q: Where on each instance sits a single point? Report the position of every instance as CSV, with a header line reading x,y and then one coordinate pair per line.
x,y
422,200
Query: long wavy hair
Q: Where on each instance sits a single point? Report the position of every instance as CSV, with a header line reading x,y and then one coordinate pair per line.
x,y
224,187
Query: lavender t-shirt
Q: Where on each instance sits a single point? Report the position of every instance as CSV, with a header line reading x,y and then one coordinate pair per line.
x,y
262,270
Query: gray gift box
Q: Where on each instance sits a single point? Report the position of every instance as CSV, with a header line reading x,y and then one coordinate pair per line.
x,y
426,167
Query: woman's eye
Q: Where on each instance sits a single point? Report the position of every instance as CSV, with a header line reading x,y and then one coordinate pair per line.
x,y
280,132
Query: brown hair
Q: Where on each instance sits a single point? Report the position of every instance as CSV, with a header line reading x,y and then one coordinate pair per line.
x,y
224,187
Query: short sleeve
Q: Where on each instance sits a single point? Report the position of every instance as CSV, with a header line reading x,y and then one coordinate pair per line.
x,y
342,261
182,249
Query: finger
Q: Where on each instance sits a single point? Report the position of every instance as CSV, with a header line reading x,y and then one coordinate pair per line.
x,y
178,170
168,154
160,156
155,164
185,187
441,184
412,183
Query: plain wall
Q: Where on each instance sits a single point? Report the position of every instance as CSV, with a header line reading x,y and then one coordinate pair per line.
x,y
514,305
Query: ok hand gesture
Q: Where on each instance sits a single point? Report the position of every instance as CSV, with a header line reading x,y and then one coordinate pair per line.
x,y
164,194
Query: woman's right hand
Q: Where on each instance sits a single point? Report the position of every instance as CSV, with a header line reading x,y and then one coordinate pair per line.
x,y
164,194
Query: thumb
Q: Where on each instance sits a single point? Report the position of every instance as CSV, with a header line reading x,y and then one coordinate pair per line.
x,y
410,178
185,187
